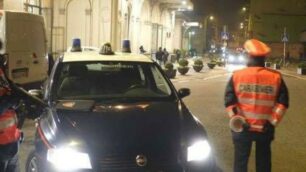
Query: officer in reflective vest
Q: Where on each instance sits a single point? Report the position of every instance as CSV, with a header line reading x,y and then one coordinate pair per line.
x,y
256,99
9,132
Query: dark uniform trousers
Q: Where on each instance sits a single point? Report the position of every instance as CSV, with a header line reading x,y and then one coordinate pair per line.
x,y
243,144
9,158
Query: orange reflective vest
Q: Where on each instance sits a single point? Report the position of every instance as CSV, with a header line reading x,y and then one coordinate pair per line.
x,y
9,131
256,89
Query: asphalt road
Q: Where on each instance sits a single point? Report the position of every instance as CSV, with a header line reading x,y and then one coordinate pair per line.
x,y
206,102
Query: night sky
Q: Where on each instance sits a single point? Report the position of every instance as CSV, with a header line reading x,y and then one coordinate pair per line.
x,y
227,11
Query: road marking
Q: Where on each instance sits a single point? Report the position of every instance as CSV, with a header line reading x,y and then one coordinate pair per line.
x,y
216,76
203,79
183,81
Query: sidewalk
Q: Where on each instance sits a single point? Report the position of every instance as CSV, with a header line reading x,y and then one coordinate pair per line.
x,y
205,74
292,72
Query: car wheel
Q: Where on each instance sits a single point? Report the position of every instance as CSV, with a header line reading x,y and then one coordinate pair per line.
x,y
33,164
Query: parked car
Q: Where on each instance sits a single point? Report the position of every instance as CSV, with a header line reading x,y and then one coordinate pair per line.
x,y
25,46
116,113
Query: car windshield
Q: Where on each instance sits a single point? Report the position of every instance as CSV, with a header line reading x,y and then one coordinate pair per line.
x,y
110,81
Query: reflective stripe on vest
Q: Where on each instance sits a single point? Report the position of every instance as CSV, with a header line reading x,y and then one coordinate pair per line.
x,y
7,123
278,113
255,102
9,131
250,115
257,128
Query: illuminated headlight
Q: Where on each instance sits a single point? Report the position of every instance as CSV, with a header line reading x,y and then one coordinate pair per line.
x,y
68,159
199,151
241,59
231,58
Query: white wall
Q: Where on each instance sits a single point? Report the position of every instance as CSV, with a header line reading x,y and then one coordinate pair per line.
x,y
144,36
177,36
89,20
13,5
78,22
166,20
101,22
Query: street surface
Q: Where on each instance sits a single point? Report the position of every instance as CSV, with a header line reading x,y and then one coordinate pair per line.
x,y
206,102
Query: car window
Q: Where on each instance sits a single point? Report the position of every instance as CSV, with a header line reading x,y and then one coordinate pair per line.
x,y
160,80
109,80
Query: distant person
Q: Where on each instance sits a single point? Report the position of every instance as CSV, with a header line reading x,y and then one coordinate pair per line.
x,y
165,56
178,55
141,50
287,58
159,56
256,99
193,52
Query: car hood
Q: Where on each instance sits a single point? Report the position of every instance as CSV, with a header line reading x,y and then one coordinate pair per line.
x,y
134,128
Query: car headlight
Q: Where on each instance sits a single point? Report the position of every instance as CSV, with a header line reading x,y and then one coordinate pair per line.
x,y
241,59
231,58
199,151
68,159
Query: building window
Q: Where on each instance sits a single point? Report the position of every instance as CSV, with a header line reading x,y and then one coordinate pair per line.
x,y
33,6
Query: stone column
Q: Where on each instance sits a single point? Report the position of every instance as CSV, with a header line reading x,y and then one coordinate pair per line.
x,y
114,24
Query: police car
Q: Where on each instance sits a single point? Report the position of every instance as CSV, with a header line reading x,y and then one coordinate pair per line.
x,y
116,112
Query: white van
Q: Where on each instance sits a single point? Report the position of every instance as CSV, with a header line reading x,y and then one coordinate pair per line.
x,y
25,45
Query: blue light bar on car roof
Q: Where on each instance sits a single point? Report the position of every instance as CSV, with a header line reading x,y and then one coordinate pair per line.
x,y
76,45
126,46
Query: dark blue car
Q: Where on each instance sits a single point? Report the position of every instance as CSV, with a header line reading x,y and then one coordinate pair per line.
x,y
109,113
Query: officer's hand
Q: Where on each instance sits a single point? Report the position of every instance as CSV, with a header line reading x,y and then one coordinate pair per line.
x,y
268,127
246,126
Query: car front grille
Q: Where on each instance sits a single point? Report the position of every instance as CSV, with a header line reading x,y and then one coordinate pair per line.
x,y
128,163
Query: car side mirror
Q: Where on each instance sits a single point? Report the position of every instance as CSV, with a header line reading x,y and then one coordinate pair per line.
x,y
183,92
36,93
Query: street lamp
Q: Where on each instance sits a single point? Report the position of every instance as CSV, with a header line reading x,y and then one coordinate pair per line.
x,y
244,9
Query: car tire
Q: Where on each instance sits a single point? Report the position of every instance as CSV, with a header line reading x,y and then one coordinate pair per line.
x,y
33,163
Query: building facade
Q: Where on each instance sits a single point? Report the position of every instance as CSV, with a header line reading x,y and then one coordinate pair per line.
x,y
270,19
150,23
